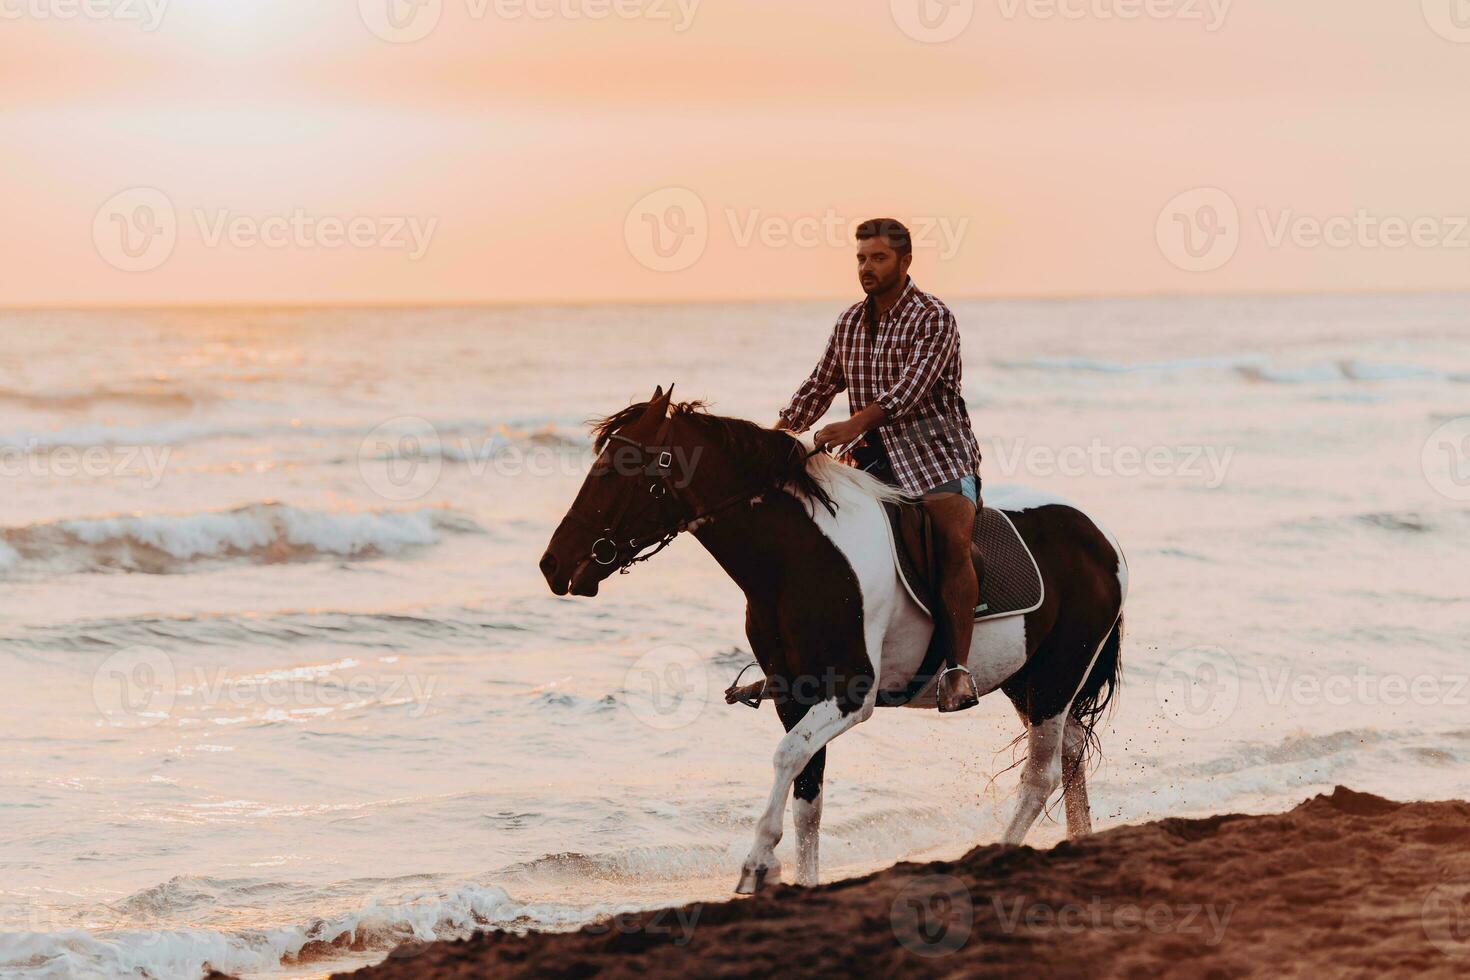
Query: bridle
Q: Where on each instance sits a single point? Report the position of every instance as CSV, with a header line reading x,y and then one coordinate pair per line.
x,y
607,550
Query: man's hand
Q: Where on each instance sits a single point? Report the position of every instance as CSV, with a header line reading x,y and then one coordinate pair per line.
x,y
841,433
838,433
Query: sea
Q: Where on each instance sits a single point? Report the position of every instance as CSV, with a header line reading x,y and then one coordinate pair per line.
x,y
285,688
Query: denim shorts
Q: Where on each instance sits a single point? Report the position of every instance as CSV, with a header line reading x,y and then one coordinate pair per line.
x,y
969,485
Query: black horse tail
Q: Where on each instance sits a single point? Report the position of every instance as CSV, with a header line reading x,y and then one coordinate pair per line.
x,y
1097,690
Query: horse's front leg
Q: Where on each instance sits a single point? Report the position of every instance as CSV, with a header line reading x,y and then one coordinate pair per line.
x,y
806,813
820,723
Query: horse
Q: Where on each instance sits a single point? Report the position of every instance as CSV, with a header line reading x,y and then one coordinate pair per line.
x,y
805,537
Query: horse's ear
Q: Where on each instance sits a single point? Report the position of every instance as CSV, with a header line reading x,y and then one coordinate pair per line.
x,y
658,406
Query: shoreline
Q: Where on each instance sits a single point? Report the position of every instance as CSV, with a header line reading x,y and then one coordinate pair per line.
x,y
1342,882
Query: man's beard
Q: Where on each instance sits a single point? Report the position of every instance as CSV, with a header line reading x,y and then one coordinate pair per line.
x,y
879,285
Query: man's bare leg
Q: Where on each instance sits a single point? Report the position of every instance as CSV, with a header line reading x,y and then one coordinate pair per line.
x,y
959,592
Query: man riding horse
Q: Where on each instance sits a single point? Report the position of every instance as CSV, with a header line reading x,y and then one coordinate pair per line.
x,y
897,353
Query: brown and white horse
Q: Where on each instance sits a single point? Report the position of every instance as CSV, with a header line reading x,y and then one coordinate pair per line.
x,y
828,619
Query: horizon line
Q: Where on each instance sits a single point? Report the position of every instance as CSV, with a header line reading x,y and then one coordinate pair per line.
x,y
239,305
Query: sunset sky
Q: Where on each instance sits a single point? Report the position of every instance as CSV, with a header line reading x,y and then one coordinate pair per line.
x,y
280,151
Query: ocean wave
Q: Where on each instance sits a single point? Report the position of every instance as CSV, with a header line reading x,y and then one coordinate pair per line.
x,y
1254,368
261,533
388,631
157,396
376,926
456,440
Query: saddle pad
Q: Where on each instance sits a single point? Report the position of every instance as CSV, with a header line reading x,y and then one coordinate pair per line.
x,y
1011,584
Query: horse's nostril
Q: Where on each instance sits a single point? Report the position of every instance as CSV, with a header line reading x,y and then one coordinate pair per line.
x,y
548,564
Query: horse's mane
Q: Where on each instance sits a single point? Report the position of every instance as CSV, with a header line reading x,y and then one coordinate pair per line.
x,y
771,458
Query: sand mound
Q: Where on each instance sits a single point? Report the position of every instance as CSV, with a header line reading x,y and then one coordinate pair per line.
x,y
1343,884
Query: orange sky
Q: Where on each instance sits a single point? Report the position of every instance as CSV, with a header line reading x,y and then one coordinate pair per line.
x,y
530,150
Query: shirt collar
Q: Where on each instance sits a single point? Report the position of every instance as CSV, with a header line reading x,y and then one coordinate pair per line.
x,y
909,289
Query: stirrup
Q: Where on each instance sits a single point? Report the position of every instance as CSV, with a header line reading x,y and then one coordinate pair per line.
x,y
974,697
734,693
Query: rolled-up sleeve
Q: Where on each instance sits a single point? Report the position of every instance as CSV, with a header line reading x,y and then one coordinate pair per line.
x,y
938,340
815,395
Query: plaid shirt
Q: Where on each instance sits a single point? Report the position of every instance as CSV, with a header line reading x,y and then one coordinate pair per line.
x,y
910,366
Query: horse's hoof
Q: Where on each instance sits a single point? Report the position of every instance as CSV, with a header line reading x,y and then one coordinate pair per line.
x,y
751,879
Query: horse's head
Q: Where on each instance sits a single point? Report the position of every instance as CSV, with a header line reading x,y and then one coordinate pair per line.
x,y
624,503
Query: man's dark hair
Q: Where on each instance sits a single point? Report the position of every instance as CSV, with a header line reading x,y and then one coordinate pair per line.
x,y
889,228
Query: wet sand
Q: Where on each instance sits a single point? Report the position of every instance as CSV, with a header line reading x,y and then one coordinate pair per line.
x,y
1346,884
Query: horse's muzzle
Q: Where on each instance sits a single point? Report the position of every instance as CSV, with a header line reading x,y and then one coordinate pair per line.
x,y
550,571
581,580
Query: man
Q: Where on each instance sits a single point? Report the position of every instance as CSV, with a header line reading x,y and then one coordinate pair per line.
x,y
897,354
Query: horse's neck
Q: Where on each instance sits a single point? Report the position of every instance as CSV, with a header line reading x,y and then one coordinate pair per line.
x,y
755,544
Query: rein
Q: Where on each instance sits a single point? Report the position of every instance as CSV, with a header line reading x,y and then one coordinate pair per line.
x,y
607,551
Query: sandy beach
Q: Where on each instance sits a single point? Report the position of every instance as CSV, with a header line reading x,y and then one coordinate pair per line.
x,y
1345,884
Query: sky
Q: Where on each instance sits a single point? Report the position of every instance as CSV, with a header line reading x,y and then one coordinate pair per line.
x,y
211,152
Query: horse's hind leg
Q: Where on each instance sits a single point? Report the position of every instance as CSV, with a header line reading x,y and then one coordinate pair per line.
x,y
1074,779
1039,776
823,722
